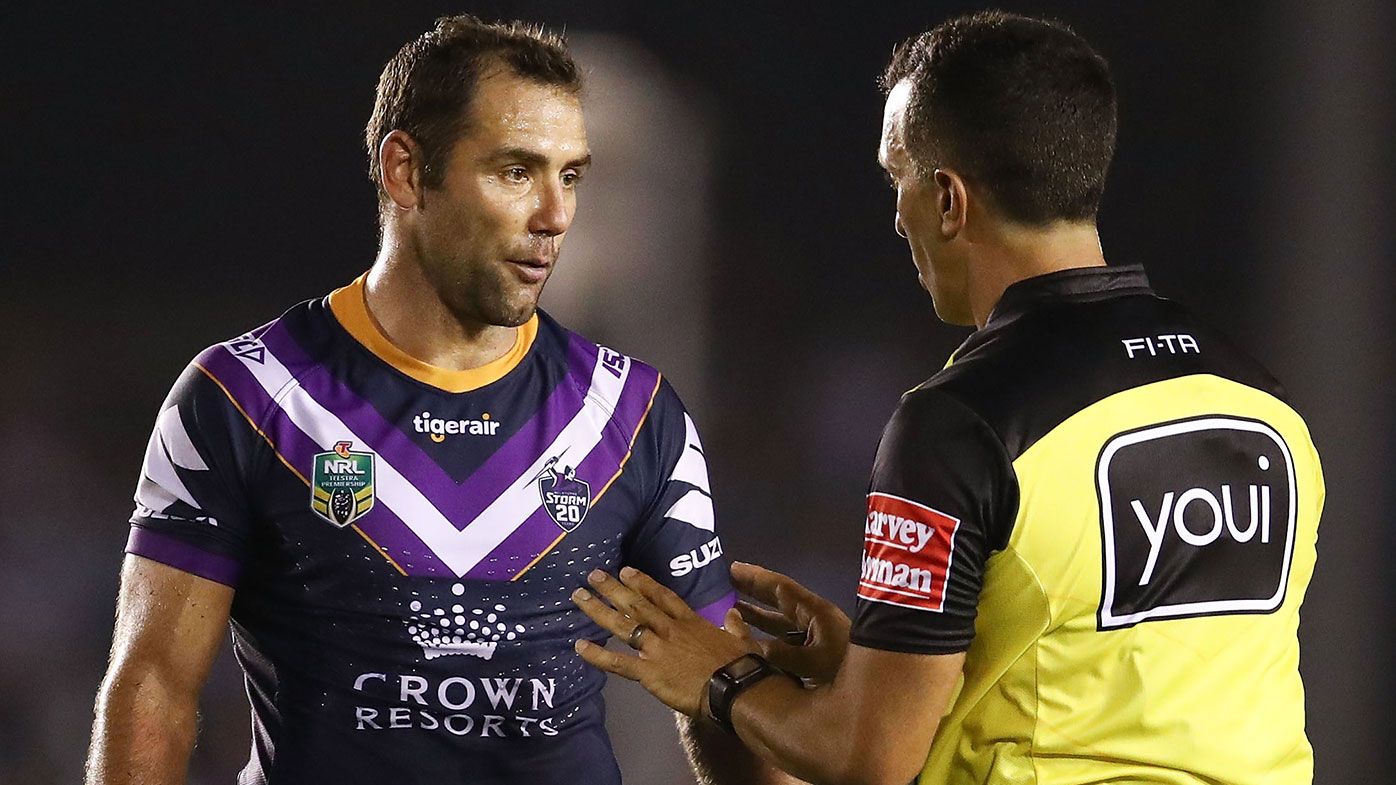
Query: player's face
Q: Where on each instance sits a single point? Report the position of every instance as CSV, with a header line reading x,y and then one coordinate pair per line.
x,y
491,233
919,218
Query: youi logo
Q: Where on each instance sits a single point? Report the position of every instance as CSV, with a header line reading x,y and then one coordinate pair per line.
x,y
1210,532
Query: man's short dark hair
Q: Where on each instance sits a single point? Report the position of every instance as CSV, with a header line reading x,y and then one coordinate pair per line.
x,y
425,90
1022,107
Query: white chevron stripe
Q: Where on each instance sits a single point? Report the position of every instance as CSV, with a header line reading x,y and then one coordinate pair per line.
x,y
460,550
576,441
692,468
694,509
169,446
177,442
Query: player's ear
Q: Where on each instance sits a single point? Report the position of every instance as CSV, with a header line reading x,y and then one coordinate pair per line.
x,y
400,161
951,201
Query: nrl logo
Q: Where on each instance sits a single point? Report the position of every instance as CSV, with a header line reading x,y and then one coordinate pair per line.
x,y
565,496
341,485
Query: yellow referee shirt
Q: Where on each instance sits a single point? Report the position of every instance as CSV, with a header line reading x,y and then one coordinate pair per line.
x,y
1115,512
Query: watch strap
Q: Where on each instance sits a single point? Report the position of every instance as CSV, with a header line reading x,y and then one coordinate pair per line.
x,y
731,680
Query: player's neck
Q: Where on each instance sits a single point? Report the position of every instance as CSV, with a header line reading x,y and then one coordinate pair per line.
x,y
407,310
1018,253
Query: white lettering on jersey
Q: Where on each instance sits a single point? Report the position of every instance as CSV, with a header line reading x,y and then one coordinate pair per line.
x,y
908,550
1222,513
1179,343
439,429
696,559
443,705
897,532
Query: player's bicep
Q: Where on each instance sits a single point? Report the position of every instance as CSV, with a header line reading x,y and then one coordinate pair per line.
x,y
169,625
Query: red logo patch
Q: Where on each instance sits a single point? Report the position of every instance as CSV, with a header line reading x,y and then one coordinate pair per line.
x,y
907,552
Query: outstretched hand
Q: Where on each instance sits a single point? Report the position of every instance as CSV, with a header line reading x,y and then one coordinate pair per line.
x,y
678,650
810,633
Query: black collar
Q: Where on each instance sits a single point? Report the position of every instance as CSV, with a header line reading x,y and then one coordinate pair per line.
x,y
1079,284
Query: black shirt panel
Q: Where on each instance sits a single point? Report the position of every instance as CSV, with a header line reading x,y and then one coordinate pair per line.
x,y
1057,343
1054,345
941,499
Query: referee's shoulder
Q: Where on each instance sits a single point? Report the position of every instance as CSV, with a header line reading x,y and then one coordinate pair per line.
x,y
1028,374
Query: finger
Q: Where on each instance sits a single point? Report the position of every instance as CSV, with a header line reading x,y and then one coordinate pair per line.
x,y
766,620
609,618
734,625
751,580
798,660
660,595
756,581
610,661
799,604
628,601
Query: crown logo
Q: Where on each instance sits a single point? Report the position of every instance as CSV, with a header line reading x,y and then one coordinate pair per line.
x,y
454,630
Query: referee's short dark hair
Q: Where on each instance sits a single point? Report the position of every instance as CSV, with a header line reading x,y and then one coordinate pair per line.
x,y
1022,107
426,88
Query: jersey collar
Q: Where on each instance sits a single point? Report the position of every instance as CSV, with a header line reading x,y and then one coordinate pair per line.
x,y
1079,284
351,311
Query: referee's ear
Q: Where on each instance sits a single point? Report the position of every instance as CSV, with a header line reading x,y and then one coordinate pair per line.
x,y
952,202
400,161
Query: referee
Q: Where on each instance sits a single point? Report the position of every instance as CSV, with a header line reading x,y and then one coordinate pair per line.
x,y
1087,538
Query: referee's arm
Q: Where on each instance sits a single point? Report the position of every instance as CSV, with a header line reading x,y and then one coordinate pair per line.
x,y
940,501
872,726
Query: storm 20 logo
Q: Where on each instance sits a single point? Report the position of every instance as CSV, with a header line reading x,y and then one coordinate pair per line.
x,y
565,496
1197,519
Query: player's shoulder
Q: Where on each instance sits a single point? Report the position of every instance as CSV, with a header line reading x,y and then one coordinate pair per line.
x,y
591,364
250,368
304,324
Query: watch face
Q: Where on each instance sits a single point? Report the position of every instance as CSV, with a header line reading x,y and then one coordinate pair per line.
x,y
744,667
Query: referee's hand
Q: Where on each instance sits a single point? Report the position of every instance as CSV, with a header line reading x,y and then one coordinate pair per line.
x,y
811,633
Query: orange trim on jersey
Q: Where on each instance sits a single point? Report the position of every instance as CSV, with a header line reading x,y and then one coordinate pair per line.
x,y
250,422
653,393
282,458
351,310
381,550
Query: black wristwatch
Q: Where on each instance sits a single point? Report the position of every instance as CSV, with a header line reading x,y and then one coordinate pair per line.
x,y
731,680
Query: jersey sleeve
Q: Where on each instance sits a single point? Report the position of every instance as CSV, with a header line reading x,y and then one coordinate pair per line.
x,y
942,498
191,508
676,542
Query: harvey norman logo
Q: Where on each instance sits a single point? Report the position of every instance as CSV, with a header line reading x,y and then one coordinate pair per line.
x,y
907,553
1207,532
439,428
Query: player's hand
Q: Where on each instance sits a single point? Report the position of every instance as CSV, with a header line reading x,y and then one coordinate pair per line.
x,y
678,649
793,610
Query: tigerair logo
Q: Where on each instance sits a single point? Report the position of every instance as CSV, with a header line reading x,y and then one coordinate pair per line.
x,y
439,428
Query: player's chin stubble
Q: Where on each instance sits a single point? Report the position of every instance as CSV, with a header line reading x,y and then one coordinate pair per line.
x,y
489,299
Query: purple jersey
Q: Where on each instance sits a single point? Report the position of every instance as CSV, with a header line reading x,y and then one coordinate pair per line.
x,y
403,540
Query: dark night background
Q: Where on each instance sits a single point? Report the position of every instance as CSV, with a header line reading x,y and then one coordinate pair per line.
x,y
178,175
